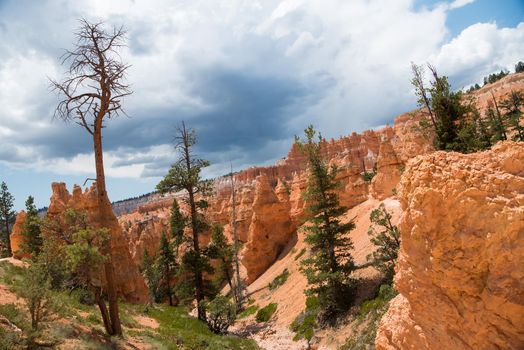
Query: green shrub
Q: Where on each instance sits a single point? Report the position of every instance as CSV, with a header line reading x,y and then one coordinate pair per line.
x,y
10,340
305,323
299,255
370,313
369,175
279,280
85,297
221,313
264,314
247,312
14,315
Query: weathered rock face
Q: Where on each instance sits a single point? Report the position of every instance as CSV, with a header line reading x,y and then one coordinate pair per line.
x,y
269,231
388,172
17,239
269,201
129,281
460,271
388,148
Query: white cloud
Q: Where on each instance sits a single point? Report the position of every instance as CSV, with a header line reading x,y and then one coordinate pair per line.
x,y
460,3
353,56
480,50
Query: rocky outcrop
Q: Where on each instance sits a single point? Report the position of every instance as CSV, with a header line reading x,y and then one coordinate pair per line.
x,y
17,239
269,231
388,172
460,270
129,282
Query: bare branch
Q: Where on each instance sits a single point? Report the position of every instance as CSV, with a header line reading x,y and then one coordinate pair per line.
x,y
94,85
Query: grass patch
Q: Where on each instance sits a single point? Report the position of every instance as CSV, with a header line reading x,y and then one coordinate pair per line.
x,y
11,275
299,255
366,324
279,280
178,330
15,315
264,314
248,311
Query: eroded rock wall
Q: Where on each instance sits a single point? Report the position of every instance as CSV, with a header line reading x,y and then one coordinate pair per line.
x,y
460,271
129,282
269,200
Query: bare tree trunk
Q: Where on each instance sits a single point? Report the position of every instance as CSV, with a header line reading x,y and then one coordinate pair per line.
x,y
8,238
237,291
106,220
199,282
499,117
103,311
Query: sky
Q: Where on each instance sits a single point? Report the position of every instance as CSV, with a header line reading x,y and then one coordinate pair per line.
x,y
246,75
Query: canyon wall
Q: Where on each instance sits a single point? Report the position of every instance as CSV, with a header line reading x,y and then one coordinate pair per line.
x,y
460,272
269,204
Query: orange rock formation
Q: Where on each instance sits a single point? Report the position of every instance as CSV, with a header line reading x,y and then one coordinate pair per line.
x,y
129,281
17,239
460,270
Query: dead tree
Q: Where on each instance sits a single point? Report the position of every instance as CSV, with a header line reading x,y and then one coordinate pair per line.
x,y
238,289
91,93
420,89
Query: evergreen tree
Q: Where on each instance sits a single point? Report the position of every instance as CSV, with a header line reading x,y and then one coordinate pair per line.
x,y
7,217
519,67
37,296
421,91
185,175
457,123
448,110
222,251
328,269
167,268
177,222
85,256
150,271
386,241
31,230
496,126
512,106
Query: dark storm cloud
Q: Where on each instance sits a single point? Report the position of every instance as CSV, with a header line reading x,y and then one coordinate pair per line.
x,y
250,110
246,111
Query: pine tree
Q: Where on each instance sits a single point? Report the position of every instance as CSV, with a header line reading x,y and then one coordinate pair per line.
x,y
177,223
185,175
386,241
448,110
85,257
151,274
31,230
222,251
512,105
519,67
328,270
7,217
167,268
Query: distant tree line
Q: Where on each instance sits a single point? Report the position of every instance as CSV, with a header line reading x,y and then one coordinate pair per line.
x,y
519,67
